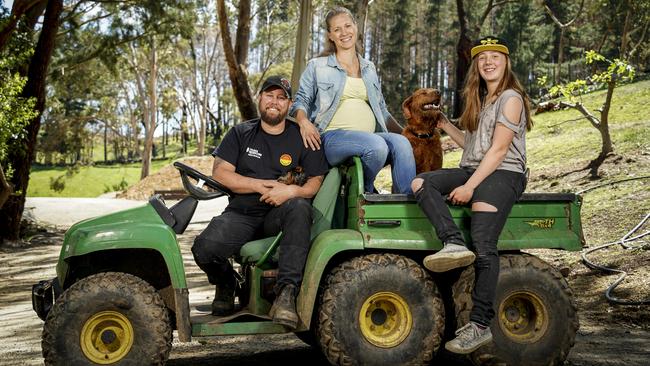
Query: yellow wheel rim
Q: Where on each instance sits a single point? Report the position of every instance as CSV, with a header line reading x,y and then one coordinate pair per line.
x,y
106,337
523,317
385,319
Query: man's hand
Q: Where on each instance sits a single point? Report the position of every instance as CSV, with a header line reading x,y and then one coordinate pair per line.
x,y
461,195
262,186
278,193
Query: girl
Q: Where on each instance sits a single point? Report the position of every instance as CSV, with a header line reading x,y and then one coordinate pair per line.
x,y
491,176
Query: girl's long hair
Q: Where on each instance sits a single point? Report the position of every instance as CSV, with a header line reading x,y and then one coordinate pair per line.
x,y
475,91
330,47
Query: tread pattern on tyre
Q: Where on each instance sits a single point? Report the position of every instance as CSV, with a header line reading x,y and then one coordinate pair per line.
x,y
462,294
73,299
340,278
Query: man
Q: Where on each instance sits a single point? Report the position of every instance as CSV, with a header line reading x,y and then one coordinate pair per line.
x,y
248,161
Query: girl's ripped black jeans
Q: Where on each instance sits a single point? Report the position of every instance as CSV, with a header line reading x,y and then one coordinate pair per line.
x,y
500,189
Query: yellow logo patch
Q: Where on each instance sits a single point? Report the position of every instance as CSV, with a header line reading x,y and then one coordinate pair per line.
x,y
489,41
542,223
285,160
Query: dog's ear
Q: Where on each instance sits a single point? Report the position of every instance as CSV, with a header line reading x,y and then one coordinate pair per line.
x,y
406,107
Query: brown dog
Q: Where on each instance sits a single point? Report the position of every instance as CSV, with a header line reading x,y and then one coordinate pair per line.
x,y
422,112
294,176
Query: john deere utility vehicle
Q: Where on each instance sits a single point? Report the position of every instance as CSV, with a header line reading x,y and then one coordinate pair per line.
x,y
366,298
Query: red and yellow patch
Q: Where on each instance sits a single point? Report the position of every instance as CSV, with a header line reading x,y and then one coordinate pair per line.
x,y
285,159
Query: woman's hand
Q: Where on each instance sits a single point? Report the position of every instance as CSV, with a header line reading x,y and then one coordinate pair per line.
x,y
309,133
461,195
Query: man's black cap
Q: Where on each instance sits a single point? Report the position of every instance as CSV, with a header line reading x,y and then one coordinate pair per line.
x,y
489,43
279,81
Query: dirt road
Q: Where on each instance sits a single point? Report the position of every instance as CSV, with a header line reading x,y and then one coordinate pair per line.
x,y
603,339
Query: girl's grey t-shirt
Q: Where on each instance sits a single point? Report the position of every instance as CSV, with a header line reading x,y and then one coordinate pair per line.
x,y
477,143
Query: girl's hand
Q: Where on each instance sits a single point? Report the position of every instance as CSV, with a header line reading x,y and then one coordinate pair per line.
x,y
442,121
310,134
461,195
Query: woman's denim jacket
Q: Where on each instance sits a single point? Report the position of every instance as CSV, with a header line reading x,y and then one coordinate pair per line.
x,y
321,87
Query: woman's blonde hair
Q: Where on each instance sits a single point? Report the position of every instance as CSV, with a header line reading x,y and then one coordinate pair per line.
x,y
330,47
475,91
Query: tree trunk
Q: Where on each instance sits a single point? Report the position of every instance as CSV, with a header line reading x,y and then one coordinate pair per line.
x,y
150,118
606,147
105,140
5,188
302,43
463,52
236,60
560,58
21,159
18,9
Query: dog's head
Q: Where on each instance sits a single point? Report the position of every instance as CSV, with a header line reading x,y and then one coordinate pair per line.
x,y
422,106
294,176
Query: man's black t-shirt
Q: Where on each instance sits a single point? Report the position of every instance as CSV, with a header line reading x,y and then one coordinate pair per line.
x,y
257,154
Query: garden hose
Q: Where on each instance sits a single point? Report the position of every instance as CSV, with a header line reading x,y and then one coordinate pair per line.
x,y
627,238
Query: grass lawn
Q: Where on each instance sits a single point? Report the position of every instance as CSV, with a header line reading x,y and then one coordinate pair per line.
x,y
89,181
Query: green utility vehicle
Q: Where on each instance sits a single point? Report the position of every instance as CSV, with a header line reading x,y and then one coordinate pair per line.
x,y
121,287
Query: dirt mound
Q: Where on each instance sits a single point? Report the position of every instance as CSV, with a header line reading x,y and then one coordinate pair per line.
x,y
166,178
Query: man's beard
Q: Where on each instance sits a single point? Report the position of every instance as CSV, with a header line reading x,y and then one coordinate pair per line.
x,y
273,121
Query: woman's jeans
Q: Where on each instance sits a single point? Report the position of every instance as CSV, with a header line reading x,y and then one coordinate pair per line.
x,y
500,189
376,150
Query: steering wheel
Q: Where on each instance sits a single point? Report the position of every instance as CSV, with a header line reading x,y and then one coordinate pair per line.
x,y
196,190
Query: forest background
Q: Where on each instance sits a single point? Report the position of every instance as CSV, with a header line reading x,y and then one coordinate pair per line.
x,y
127,81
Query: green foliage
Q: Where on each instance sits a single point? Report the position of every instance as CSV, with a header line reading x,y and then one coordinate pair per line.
x,y
617,70
15,111
57,184
121,186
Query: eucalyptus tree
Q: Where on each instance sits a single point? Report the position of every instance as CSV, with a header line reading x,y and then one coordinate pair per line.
x,y
116,22
237,55
22,152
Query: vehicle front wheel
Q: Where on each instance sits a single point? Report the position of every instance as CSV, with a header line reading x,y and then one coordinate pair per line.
x,y
380,309
536,319
106,319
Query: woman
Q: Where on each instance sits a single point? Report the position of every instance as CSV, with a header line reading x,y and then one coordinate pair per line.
x,y
491,176
340,96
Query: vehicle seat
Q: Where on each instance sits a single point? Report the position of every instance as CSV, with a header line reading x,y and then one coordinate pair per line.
x,y
324,203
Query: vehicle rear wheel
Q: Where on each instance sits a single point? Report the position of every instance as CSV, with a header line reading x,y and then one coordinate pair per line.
x,y
105,319
536,319
380,309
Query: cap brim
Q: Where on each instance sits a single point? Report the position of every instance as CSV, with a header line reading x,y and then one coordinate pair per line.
x,y
489,47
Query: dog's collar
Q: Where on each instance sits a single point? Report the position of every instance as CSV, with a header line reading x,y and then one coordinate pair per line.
x,y
424,135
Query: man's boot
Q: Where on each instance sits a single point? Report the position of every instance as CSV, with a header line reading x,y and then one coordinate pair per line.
x,y
224,299
283,310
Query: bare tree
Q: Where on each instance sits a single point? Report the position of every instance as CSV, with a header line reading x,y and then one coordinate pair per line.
x,y
563,27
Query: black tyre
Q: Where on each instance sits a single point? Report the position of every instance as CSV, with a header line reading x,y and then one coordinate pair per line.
x,y
108,318
536,318
380,309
